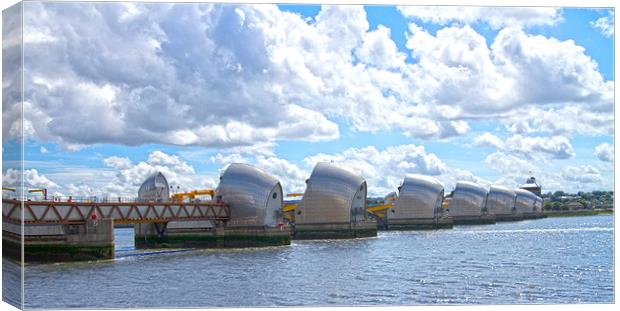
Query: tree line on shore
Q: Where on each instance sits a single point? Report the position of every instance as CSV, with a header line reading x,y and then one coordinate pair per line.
x,y
560,200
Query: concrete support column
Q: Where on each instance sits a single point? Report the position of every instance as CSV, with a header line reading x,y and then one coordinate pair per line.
x,y
91,241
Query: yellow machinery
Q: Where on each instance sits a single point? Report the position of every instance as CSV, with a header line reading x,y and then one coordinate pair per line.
x,y
8,189
380,210
288,207
180,197
43,192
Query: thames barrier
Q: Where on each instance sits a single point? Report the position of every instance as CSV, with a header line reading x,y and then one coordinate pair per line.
x,y
248,209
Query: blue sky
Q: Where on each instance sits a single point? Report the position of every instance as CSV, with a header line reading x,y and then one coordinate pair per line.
x,y
488,95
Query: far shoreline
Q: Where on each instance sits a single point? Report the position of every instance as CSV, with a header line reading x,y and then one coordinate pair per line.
x,y
578,213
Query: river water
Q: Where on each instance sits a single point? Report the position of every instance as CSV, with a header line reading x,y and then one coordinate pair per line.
x,y
552,260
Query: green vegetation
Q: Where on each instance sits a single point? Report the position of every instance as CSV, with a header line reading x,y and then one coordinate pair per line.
x,y
562,201
578,213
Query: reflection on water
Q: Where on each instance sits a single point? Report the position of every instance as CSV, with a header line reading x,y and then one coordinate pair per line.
x,y
553,260
12,282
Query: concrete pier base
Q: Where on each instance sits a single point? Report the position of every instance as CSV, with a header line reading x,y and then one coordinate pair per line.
x,y
508,217
363,229
474,220
57,243
533,215
420,223
217,237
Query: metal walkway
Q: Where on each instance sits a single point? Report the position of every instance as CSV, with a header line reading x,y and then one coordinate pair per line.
x,y
50,212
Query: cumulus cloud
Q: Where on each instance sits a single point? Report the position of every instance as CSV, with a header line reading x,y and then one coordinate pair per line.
x,y
239,76
582,174
514,170
556,147
495,17
379,50
571,178
122,177
130,175
143,80
509,165
32,179
568,120
605,24
488,139
228,159
291,176
538,64
508,80
604,152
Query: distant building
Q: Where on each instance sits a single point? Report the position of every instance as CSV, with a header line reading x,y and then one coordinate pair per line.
x,y
570,197
532,186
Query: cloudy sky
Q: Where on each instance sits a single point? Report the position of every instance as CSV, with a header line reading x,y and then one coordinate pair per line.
x,y
117,91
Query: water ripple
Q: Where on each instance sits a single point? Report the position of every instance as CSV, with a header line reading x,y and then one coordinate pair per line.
x,y
553,260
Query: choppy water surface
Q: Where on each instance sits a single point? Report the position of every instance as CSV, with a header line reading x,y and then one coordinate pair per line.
x,y
553,260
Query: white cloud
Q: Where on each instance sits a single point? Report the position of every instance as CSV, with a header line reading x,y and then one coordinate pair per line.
x,y
496,17
460,76
143,81
31,177
582,174
556,147
292,178
118,162
43,150
129,176
604,152
488,139
250,72
509,165
538,64
228,159
571,178
605,24
379,50
568,120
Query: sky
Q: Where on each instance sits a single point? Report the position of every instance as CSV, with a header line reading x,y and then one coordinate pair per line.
x,y
114,92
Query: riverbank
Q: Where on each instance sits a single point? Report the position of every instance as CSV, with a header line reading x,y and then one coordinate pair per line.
x,y
579,213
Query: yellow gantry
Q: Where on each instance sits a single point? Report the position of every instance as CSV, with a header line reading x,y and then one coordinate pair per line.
x,y
43,192
289,207
180,197
379,210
